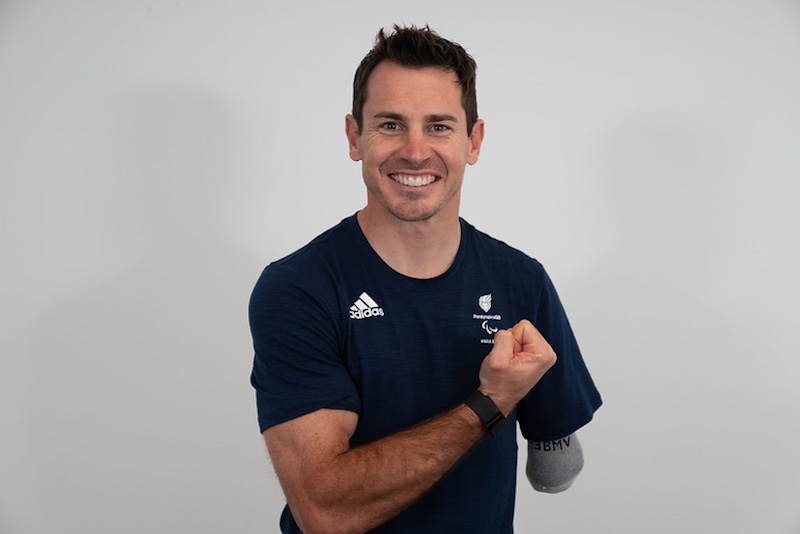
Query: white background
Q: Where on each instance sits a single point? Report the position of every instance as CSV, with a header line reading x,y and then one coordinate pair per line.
x,y
154,156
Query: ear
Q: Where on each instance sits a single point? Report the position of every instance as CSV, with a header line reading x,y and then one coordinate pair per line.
x,y
353,137
475,141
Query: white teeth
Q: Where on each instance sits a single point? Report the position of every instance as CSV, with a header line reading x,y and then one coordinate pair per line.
x,y
413,181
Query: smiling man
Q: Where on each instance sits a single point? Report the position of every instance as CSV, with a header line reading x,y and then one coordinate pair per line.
x,y
394,350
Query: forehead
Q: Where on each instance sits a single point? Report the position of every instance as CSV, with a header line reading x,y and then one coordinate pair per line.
x,y
423,88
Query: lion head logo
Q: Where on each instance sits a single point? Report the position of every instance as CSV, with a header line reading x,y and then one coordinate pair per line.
x,y
485,302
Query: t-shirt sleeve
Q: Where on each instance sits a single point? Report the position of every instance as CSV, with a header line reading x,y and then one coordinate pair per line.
x,y
298,367
566,398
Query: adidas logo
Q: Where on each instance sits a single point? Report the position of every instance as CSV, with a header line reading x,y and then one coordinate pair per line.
x,y
365,307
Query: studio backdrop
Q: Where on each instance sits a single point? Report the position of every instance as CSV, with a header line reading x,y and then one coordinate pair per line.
x,y
156,155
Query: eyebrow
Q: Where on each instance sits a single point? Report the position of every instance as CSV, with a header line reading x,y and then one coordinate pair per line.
x,y
428,118
441,118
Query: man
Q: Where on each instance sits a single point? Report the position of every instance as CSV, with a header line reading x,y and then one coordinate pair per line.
x,y
392,351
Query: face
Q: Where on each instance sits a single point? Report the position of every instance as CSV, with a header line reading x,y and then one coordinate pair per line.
x,y
413,144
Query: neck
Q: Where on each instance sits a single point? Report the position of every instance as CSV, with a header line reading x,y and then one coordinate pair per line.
x,y
417,249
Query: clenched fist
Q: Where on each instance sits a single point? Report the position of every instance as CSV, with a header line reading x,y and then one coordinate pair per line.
x,y
519,359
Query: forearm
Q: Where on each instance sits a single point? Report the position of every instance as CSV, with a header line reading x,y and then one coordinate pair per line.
x,y
362,488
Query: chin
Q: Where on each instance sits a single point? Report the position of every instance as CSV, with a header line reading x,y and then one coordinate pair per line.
x,y
415,215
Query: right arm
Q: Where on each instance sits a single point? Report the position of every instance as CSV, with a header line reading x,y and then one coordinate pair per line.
x,y
330,487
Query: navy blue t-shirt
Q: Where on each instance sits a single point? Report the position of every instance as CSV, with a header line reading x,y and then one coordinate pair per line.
x,y
335,327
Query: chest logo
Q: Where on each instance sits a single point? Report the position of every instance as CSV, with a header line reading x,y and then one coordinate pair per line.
x,y
485,302
365,307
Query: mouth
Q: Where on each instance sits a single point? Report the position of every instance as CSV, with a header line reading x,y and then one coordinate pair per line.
x,y
413,180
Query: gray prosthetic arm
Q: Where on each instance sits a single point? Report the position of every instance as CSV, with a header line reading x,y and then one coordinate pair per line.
x,y
554,465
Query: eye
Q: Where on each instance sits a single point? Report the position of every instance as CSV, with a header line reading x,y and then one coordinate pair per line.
x,y
440,128
390,126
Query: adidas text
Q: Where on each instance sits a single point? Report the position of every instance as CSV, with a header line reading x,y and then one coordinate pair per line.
x,y
364,314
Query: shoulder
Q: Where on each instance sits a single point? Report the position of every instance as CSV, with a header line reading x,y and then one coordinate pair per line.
x,y
311,270
323,245
499,253
317,255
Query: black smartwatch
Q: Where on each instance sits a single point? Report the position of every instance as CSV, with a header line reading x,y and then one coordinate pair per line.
x,y
487,411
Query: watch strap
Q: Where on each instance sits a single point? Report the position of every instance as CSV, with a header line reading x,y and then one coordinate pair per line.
x,y
492,419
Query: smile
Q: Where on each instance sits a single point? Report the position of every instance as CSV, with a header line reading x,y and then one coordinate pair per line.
x,y
413,181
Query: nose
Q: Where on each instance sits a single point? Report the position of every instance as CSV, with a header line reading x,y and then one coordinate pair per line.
x,y
415,147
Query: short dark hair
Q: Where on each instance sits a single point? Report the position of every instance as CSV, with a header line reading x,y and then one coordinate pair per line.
x,y
418,47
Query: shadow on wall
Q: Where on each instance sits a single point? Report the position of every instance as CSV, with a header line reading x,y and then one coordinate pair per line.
x,y
143,408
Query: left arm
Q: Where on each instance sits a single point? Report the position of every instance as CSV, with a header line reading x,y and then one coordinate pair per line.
x,y
554,465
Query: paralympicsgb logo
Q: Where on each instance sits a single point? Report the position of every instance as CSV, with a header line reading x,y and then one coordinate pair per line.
x,y
485,302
